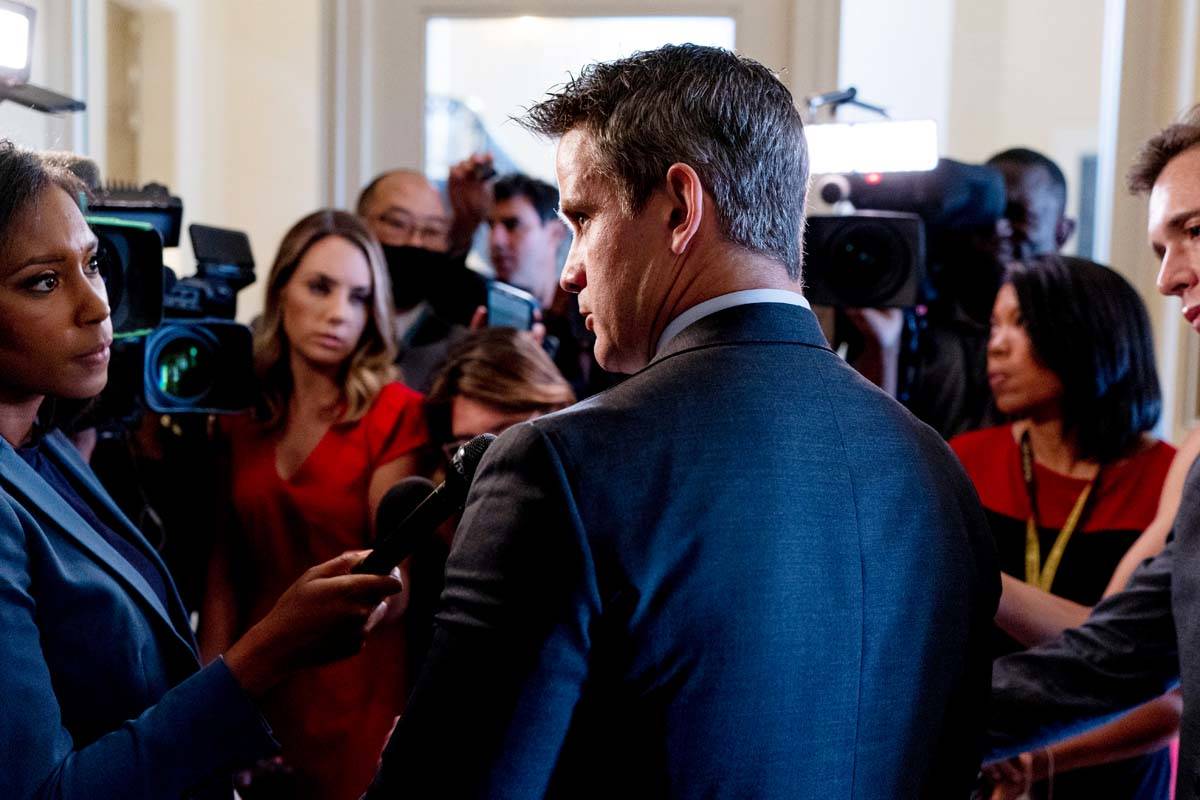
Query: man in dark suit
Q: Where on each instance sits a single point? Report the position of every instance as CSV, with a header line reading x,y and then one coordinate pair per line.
x,y
1143,641
743,572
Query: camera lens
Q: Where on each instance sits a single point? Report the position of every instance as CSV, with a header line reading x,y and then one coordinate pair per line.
x,y
183,363
866,261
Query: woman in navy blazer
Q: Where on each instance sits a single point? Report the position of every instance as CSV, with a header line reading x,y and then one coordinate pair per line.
x,y
103,694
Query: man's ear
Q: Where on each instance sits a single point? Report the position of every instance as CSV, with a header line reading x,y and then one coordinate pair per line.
x,y
686,195
1063,230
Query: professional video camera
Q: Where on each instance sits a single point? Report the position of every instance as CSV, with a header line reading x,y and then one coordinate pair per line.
x,y
899,215
906,230
176,347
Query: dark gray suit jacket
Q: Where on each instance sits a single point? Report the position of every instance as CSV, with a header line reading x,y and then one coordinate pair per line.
x,y
1135,645
743,572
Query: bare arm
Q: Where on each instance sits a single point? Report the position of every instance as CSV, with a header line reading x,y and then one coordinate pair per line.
x,y
1032,616
1152,540
1146,729
219,626
220,619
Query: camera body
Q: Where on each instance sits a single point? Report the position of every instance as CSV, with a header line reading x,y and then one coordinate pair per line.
x,y
177,348
903,236
872,259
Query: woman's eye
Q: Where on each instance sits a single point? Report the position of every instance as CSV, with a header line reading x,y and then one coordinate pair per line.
x,y
43,284
318,287
93,266
1194,231
360,299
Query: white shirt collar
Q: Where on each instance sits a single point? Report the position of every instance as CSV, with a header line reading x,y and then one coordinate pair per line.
x,y
724,301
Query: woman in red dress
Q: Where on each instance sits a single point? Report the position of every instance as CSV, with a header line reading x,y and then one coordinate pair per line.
x,y
333,432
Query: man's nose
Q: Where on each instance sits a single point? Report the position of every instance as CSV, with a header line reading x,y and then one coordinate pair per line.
x,y
574,278
1176,274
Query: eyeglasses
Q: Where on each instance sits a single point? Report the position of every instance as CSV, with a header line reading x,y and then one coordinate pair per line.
x,y
403,228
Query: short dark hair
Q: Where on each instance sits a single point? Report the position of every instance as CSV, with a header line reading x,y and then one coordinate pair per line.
x,y
728,117
24,175
1090,327
1025,157
541,195
1158,151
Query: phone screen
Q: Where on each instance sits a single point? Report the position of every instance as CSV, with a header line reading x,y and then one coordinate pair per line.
x,y
509,307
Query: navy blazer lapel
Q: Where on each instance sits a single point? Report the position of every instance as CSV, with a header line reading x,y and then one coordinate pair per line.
x,y
28,484
752,322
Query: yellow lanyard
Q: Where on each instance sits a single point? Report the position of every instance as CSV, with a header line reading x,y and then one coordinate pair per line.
x,y
1036,573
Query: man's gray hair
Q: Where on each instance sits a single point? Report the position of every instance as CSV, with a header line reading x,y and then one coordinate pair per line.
x,y
728,117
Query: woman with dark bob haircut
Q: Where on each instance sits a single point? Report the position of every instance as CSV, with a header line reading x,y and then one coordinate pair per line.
x,y
104,694
1072,481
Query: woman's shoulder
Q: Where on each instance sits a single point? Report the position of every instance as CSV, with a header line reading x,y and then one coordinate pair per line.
x,y
396,397
1153,456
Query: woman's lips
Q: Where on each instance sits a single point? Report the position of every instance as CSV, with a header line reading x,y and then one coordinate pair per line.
x,y
95,357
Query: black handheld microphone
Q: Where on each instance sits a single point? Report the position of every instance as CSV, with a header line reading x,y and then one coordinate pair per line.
x,y
399,502
398,542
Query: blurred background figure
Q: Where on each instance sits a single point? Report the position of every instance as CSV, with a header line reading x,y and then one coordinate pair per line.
x,y
494,378
333,433
1072,482
525,246
1036,213
434,294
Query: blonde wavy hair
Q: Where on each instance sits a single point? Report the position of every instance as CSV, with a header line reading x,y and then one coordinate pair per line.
x,y
372,364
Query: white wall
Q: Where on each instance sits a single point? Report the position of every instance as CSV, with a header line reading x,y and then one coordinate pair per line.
x,y
231,117
898,55
1027,73
536,53
52,68
993,74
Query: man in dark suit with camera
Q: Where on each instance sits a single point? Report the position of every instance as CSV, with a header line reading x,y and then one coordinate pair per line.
x,y
743,572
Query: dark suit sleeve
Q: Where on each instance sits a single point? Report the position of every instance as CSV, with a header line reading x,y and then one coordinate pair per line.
x,y
1123,655
197,729
492,707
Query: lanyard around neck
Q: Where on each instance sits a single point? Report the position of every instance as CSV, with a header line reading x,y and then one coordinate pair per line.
x,y
1036,573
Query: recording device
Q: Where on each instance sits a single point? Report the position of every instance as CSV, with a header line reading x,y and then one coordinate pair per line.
x,y
510,307
177,348
400,501
904,237
873,259
397,543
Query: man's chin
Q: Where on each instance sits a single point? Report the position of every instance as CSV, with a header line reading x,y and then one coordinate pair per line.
x,y
612,361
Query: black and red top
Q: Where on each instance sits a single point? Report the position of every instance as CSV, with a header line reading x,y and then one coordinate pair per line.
x,y
1123,504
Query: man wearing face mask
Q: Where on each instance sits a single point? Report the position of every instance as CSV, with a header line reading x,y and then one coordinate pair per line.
x,y
434,292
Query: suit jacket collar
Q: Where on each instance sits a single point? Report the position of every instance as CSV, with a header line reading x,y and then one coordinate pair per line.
x,y
21,480
745,324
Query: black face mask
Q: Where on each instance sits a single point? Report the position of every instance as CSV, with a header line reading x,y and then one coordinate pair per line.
x,y
415,272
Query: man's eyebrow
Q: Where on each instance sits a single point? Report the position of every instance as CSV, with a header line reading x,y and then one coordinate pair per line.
x,y
1179,219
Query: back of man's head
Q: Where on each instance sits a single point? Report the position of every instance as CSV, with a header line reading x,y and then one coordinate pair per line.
x,y
541,195
1161,148
726,116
